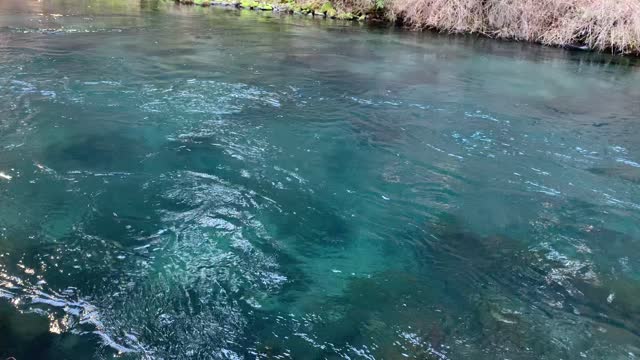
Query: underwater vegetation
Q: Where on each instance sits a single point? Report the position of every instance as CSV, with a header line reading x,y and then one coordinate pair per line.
x,y
197,183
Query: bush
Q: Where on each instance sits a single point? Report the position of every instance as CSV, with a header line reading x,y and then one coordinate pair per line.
x,y
598,24
601,25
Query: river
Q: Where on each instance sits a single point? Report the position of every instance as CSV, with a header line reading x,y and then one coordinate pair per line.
x,y
181,182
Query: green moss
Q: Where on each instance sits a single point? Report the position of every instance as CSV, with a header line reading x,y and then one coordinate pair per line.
x,y
346,16
328,9
305,8
249,4
315,7
326,6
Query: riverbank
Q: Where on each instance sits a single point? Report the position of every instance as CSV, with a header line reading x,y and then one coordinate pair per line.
x,y
600,25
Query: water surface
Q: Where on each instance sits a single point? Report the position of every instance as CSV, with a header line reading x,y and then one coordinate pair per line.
x,y
179,182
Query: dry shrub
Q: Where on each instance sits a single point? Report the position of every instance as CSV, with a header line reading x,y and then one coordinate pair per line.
x,y
601,25
355,6
448,15
525,19
598,24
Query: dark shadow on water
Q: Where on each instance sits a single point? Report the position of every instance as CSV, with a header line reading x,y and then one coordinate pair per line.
x,y
627,173
32,336
97,152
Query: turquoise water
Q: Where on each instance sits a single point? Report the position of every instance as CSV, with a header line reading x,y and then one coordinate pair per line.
x,y
179,182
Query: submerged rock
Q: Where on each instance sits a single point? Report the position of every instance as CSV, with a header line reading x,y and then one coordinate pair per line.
x,y
627,173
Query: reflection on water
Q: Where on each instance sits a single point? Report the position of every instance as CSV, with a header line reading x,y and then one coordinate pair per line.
x,y
179,182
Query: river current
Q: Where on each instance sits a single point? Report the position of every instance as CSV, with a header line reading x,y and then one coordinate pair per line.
x,y
181,182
